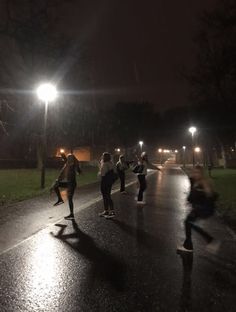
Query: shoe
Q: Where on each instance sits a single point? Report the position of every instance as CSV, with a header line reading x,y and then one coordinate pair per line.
x,y
59,202
70,217
124,193
139,202
110,215
183,249
103,214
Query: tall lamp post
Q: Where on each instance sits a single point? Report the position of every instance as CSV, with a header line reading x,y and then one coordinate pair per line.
x,y
47,93
184,156
141,145
193,130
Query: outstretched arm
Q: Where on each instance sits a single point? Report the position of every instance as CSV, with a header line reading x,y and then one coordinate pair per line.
x,y
151,166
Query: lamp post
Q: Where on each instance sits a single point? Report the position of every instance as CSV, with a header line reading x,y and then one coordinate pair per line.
x,y
141,145
193,130
160,151
184,155
47,93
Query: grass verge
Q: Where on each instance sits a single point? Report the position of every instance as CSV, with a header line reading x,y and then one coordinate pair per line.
x,y
19,184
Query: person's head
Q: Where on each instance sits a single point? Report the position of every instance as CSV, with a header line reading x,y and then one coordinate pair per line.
x,y
122,158
106,157
198,173
71,159
144,156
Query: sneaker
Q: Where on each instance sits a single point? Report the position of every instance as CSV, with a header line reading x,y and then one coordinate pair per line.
x,y
110,215
59,202
70,217
103,214
183,249
139,202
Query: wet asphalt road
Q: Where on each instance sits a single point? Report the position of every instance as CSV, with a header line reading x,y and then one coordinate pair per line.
x,y
126,264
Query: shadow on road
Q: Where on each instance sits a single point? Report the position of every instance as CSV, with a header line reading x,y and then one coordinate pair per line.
x,y
104,265
186,290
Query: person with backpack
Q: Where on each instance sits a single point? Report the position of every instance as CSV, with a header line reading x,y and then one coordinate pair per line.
x,y
108,176
202,199
141,171
121,166
67,179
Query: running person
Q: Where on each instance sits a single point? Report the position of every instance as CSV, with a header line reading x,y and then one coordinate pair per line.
x,y
67,179
107,174
143,164
202,198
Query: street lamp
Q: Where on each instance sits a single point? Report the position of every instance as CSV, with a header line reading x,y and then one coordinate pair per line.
x,y
184,159
193,130
47,93
160,150
141,145
197,149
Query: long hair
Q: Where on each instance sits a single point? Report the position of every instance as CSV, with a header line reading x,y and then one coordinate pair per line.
x,y
106,157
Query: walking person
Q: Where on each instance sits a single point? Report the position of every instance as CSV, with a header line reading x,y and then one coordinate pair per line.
x,y
202,198
121,166
108,177
67,179
141,171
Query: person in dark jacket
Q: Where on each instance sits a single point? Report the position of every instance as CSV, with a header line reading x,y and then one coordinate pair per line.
x,y
121,166
144,165
67,179
107,173
202,198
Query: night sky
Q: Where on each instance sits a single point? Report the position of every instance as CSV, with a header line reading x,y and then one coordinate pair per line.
x,y
133,50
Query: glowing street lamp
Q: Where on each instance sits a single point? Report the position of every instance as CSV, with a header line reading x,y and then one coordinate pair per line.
x,y
197,149
47,93
184,155
193,130
141,145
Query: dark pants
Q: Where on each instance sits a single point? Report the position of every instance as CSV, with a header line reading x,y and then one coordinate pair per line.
x,y
106,194
142,186
70,193
122,180
193,216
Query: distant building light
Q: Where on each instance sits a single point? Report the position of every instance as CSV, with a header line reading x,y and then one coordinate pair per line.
x,y
62,151
117,150
197,149
160,150
184,147
176,151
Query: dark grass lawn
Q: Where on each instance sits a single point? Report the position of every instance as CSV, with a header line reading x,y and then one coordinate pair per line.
x,y
225,184
224,181
20,184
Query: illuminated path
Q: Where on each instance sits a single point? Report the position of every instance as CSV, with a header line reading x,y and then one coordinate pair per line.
x,y
129,264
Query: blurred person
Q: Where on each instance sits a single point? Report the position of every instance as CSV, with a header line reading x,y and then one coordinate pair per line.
x,y
141,171
67,179
202,199
108,176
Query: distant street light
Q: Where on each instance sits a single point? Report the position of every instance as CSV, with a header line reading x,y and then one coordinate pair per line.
x,y
117,150
141,145
193,130
197,149
47,93
176,151
160,150
184,155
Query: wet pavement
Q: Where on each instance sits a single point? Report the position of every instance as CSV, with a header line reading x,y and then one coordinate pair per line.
x,y
126,264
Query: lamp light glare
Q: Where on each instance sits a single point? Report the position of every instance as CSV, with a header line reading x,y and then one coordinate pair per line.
x,y
197,149
192,130
47,92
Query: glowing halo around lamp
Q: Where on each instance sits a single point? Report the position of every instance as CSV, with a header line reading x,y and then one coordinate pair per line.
x,y
47,92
